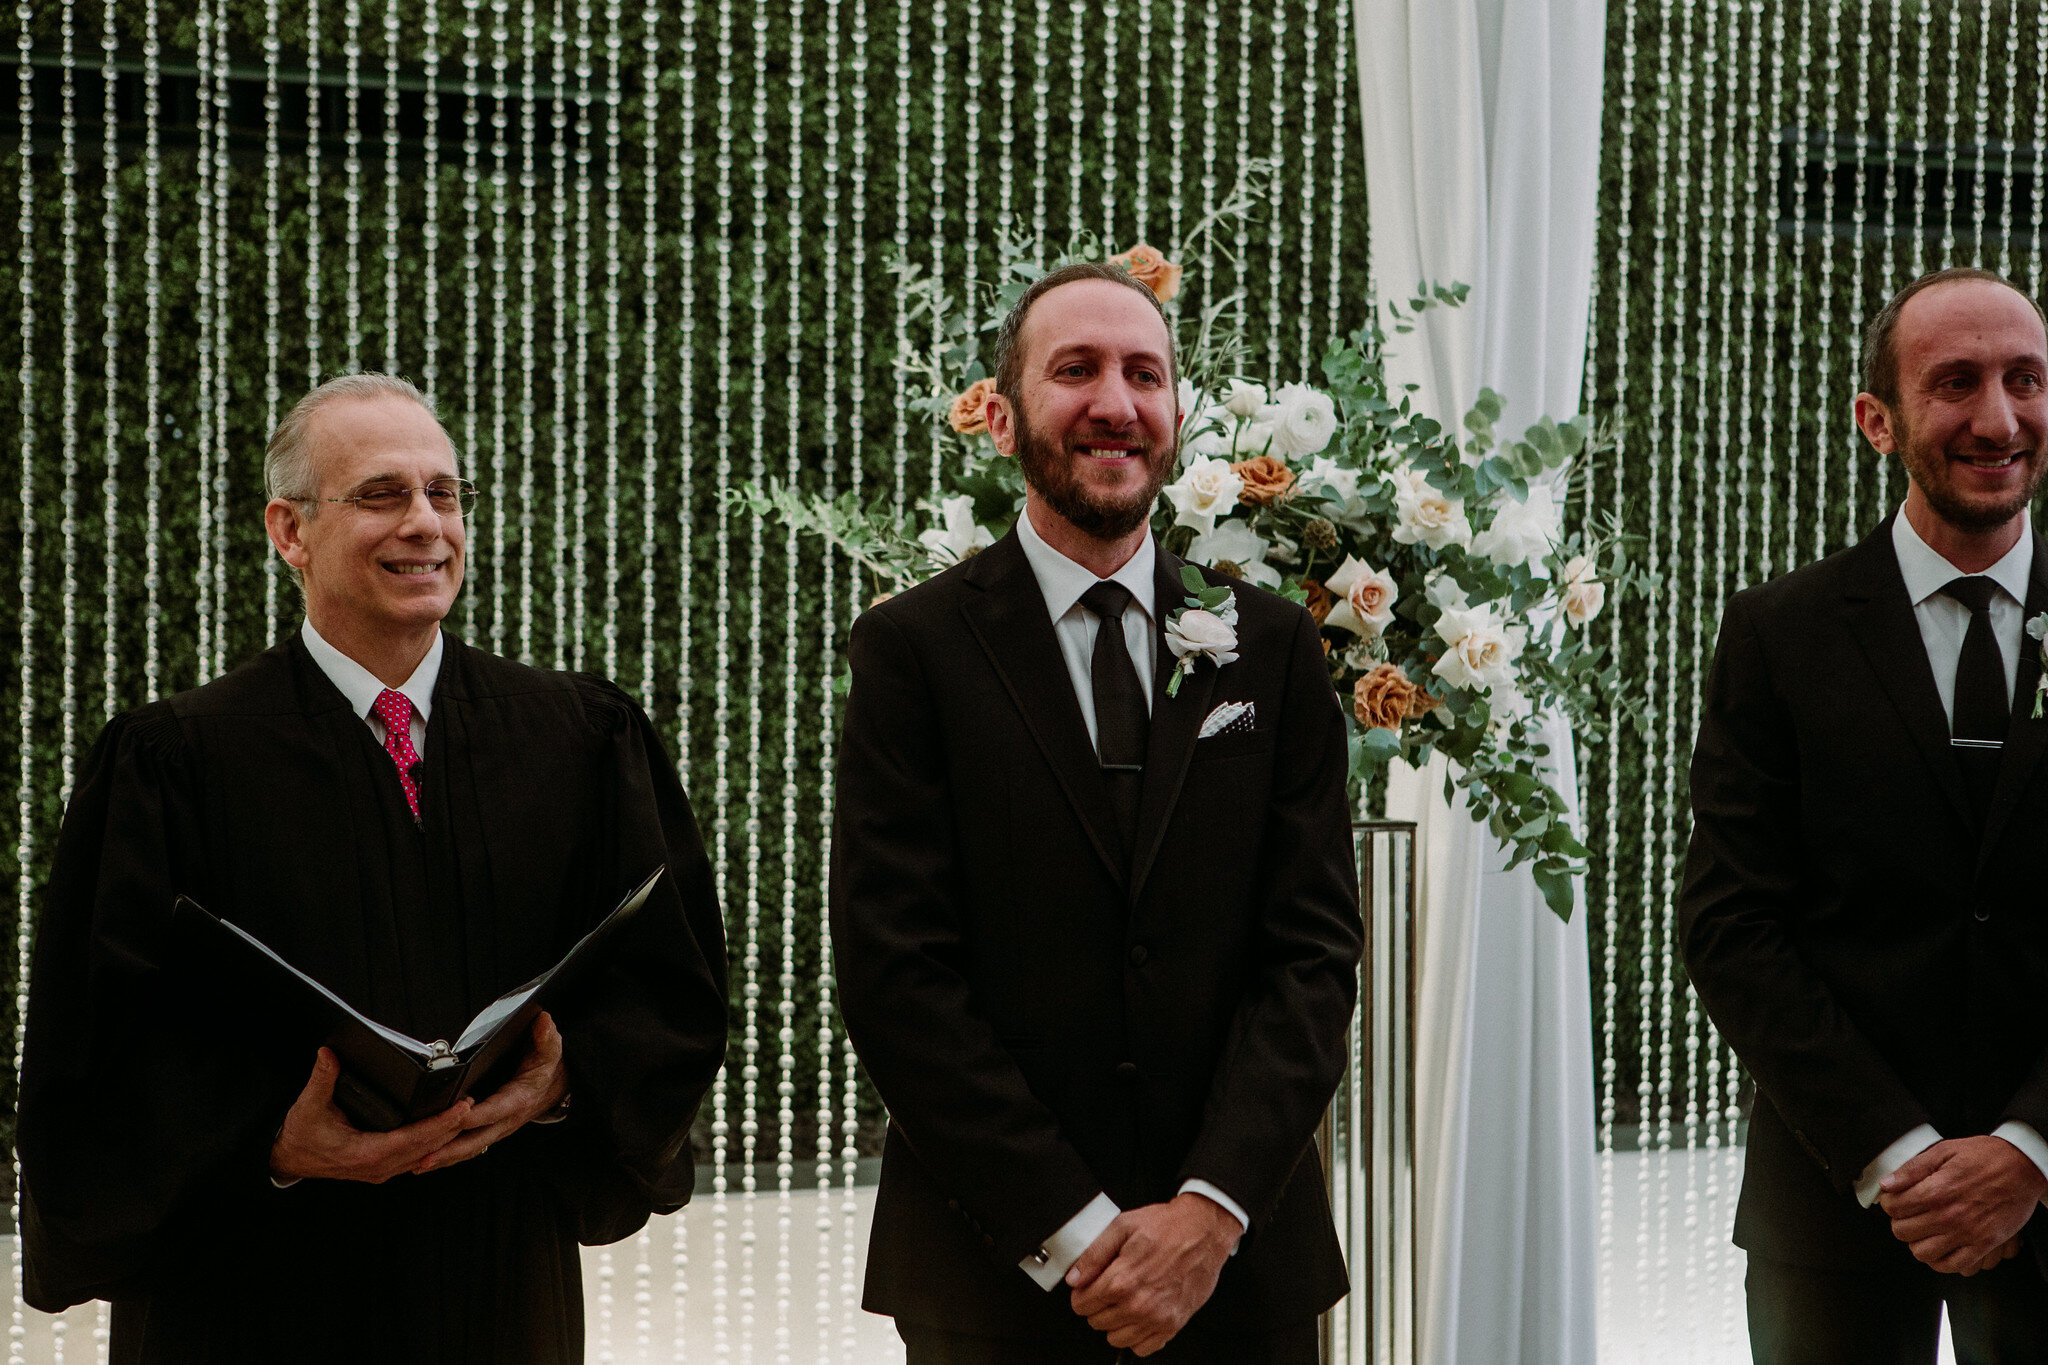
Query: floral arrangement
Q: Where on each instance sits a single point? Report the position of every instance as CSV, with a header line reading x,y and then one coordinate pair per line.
x,y
1453,602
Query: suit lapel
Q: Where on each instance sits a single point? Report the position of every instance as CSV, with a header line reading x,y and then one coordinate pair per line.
x,y
1880,616
2025,738
1008,617
1176,721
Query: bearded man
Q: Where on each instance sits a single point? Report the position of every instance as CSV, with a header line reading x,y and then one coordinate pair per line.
x,y
420,826
1096,944
1862,912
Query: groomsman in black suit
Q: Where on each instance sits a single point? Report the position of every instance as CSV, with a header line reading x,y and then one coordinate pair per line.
x,y
1863,910
1097,944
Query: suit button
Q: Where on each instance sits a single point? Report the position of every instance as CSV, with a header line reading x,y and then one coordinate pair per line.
x,y
1138,955
953,1204
1127,1070
1983,912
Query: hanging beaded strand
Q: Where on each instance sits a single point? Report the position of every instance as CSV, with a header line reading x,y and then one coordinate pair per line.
x,y
2040,195
273,298
1951,115
430,215
472,265
1277,107
1768,405
559,323
822,1305
970,208
1981,148
937,212
650,120
1891,160
25,653
352,181
202,606
1176,121
686,469
110,338
1105,30
1795,359
786,1005
899,423
568,608
1041,91
221,334
579,428
1304,305
313,290
1923,71
68,399
152,392
1338,83
721,715
1141,206
1824,332
2006,149
1859,220
1212,68
391,187
529,57
501,97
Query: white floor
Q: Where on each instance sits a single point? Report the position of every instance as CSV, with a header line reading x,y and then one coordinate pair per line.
x,y
763,1282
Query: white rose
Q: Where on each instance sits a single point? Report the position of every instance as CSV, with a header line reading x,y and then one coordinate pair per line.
x,y
1244,399
1190,402
1204,633
1425,514
1303,420
1521,532
1481,652
1584,595
1365,598
1333,476
960,537
1235,541
1206,491
1251,440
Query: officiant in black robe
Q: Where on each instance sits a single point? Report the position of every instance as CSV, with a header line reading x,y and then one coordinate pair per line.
x,y
419,853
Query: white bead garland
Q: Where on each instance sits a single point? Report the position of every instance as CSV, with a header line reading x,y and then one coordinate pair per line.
x,y
430,217
579,428
650,117
568,608
1277,108
472,285
686,405
529,56
25,654
352,181
110,360
495,549
391,187
313,289
203,316
67,166
785,1034
152,393
273,299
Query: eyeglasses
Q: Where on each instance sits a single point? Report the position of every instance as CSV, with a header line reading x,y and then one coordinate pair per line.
x,y
447,497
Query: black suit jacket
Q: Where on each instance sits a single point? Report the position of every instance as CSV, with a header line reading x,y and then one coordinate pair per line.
x,y
1876,958
1048,1017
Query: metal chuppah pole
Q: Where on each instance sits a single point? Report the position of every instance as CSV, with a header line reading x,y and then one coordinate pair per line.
x,y
1368,1134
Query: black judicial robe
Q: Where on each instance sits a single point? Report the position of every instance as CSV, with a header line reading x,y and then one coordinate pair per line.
x,y
151,1094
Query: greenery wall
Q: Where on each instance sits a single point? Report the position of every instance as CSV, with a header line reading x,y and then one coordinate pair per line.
x,y
783,156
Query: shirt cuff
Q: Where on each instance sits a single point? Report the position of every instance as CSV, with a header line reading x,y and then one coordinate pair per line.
x,y
1056,1256
1893,1157
1236,1210
2028,1140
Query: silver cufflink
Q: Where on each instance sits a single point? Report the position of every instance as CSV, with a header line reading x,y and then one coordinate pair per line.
x,y
1040,1256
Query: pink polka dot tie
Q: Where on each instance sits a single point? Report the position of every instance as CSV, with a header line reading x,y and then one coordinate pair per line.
x,y
395,710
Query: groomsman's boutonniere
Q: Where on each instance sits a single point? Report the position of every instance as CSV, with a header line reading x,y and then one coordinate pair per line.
x,y
1206,628
2038,628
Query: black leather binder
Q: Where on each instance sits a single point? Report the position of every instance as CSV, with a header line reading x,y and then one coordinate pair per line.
x,y
389,1079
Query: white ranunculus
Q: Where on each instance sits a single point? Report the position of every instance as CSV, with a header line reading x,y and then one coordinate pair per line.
x,y
1583,600
1207,490
1442,590
1244,398
1479,651
1521,532
1235,541
1333,476
1426,514
1365,598
1303,420
959,537
1212,444
1251,440
1190,402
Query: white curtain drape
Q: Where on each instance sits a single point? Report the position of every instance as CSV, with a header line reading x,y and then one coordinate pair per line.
x,y
1482,137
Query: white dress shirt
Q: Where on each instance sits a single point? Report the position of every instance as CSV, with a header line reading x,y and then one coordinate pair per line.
x,y
362,688
1074,626
1943,621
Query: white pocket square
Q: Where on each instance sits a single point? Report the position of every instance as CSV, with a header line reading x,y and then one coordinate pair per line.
x,y
1231,718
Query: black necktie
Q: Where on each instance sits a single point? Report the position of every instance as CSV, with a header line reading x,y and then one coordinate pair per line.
x,y
1123,726
1982,712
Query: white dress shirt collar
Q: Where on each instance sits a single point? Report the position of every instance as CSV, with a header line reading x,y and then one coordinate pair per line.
x,y
361,687
1927,573
1063,581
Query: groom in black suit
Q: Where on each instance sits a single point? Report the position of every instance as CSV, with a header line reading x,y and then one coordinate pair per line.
x,y
1097,944
1863,912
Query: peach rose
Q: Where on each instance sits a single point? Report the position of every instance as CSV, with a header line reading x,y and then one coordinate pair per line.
x,y
969,416
1319,601
1151,269
1266,480
1383,698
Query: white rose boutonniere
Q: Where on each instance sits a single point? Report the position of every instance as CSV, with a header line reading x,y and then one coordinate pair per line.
x,y
2038,629
1206,628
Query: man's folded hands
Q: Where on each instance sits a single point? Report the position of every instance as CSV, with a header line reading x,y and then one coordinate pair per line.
x,y
1151,1269
1960,1204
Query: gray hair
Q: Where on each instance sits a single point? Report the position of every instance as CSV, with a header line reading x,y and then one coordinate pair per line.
x,y
288,463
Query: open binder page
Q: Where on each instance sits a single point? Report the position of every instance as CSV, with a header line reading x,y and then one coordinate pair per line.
x,y
391,1035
